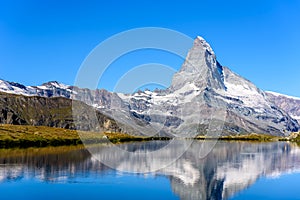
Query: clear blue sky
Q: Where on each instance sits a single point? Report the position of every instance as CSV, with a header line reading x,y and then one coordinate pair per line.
x,y
48,40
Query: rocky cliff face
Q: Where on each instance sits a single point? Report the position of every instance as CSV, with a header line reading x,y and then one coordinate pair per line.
x,y
204,97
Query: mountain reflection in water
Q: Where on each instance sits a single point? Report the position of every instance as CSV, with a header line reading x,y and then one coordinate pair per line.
x,y
228,169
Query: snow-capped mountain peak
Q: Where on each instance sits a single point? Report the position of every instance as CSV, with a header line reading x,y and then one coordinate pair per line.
x,y
202,42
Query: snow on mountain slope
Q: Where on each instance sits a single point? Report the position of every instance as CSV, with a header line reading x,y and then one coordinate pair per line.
x,y
242,89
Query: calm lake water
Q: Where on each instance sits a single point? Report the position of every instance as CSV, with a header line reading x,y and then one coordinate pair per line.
x,y
231,170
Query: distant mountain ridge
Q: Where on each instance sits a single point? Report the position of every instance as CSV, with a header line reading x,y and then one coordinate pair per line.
x,y
200,88
49,89
289,104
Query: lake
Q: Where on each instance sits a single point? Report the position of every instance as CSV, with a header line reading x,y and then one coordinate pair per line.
x,y
179,169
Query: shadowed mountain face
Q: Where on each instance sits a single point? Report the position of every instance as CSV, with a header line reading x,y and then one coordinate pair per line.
x,y
202,93
228,169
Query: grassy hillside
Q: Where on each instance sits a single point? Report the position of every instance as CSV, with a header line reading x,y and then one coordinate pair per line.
x,y
40,136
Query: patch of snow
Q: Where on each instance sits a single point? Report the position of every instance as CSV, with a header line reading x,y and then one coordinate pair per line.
x,y
295,117
5,85
148,92
145,98
250,96
42,87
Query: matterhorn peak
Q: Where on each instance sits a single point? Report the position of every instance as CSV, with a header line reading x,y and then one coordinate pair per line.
x,y
200,68
200,41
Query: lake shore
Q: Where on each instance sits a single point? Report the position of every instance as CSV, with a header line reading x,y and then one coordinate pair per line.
x,y
41,136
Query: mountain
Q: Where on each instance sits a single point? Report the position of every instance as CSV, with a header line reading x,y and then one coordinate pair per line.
x,y
204,91
203,98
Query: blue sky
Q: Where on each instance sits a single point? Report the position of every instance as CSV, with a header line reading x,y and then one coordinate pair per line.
x,y
48,40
